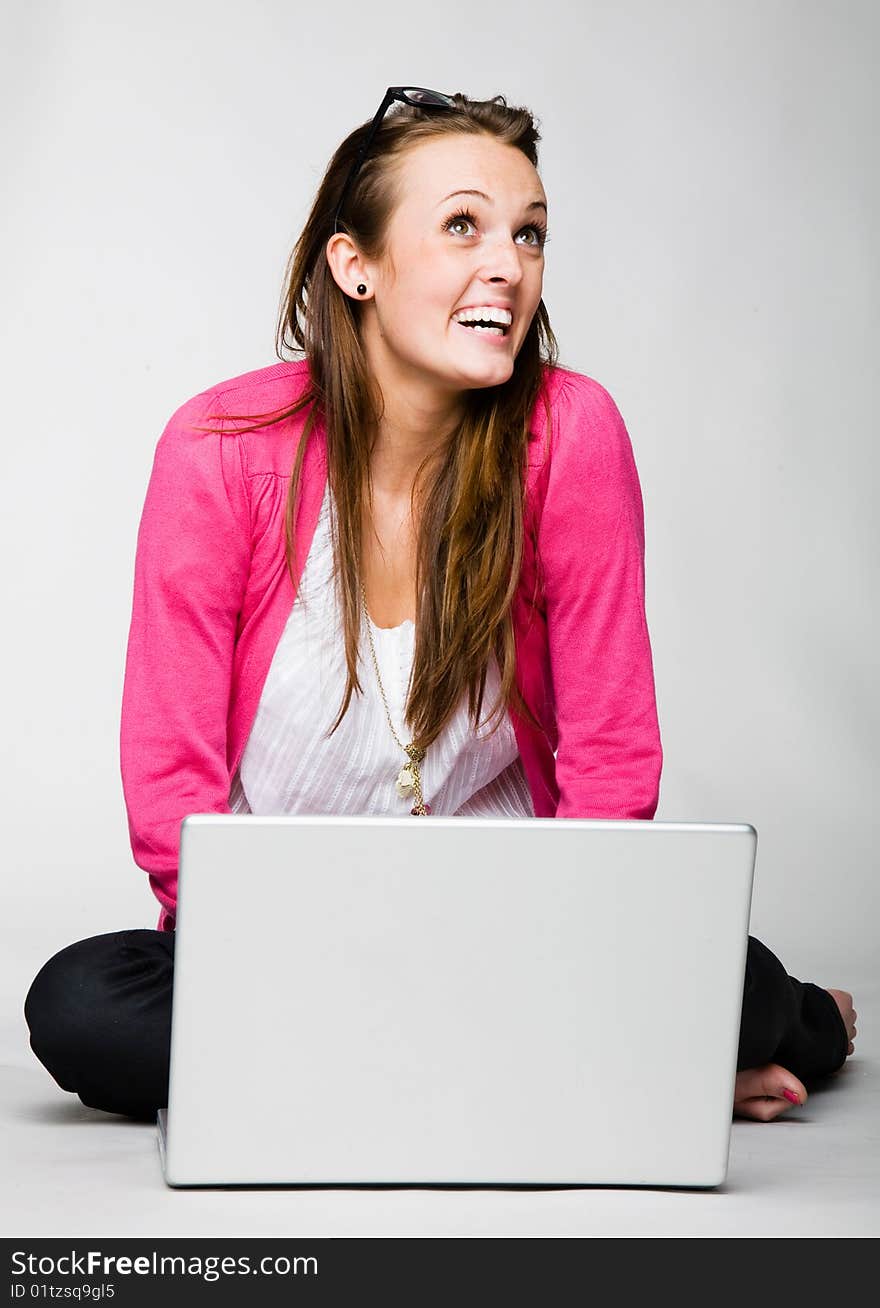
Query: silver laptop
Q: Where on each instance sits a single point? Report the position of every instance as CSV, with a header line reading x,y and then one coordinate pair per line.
x,y
456,1000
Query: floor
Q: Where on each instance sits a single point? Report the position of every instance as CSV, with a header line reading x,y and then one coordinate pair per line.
x,y
72,1171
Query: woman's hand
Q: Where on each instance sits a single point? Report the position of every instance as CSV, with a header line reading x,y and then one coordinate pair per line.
x,y
760,1092
844,1001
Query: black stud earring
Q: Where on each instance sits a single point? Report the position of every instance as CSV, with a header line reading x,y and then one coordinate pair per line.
x,y
362,290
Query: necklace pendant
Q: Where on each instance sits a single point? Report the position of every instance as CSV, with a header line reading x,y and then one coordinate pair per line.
x,y
414,812
405,782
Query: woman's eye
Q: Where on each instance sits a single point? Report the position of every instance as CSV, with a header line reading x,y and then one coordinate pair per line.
x,y
462,219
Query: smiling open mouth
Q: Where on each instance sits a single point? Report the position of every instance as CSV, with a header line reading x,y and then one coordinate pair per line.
x,y
492,329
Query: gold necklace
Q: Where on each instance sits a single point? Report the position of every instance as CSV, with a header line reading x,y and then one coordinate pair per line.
x,y
409,778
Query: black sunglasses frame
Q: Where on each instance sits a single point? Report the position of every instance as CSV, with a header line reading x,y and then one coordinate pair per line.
x,y
407,95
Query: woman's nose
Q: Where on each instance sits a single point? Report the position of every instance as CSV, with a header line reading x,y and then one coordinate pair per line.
x,y
502,260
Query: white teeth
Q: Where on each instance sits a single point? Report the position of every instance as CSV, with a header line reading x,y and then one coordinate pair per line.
x,y
484,313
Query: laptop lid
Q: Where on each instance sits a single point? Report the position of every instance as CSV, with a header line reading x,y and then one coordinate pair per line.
x,y
456,1000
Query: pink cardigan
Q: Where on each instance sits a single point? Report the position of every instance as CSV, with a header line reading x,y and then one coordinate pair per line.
x,y
212,596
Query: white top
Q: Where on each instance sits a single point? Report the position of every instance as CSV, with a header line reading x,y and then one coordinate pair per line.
x,y
289,767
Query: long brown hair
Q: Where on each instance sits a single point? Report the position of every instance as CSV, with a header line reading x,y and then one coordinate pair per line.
x,y
470,526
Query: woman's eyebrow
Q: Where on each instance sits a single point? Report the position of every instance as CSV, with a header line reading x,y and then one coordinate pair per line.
x,y
535,204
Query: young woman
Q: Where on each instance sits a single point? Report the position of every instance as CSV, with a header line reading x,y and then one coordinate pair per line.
x,y
423,513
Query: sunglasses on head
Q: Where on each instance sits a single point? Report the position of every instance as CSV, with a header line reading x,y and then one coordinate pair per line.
x,y
418,96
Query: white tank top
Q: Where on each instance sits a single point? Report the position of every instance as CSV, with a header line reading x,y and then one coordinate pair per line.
x,y
289,767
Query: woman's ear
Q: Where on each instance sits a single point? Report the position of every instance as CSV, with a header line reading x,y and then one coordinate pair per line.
x,y
346,264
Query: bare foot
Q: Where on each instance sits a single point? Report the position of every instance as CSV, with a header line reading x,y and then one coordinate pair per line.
x,y
759,1092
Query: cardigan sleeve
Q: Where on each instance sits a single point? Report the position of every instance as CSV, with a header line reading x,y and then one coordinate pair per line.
x,y
191,567
592,546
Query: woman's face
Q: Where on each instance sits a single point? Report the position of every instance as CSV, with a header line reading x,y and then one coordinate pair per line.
x,y
447,252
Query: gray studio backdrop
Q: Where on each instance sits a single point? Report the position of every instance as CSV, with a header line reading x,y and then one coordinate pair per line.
x,y
712,261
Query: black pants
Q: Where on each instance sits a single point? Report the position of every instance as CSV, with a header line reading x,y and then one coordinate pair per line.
x,y
99,1014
